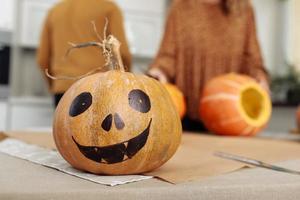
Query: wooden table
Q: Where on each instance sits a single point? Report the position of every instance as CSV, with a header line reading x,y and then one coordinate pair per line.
x,y
20,179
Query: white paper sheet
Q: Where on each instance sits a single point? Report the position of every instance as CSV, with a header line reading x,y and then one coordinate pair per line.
x,y
54,160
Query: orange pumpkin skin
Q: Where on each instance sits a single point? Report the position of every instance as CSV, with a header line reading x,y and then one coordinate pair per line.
x,y
114,117
234,105
298,117
178,98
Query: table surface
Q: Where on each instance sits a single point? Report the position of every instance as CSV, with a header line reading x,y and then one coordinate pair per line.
x,y
20,179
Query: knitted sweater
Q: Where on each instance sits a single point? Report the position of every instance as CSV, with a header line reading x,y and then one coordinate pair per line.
x,y
201,42
70,21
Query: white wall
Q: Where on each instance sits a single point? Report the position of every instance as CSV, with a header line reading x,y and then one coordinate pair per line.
x,y
294,43
273,32
156,6
6,14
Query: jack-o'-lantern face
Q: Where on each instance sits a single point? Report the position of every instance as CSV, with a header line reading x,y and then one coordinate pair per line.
x,y
113,153
116,123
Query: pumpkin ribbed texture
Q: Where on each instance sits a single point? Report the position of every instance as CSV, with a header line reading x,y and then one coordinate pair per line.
x,y
178,98
235,104
108,111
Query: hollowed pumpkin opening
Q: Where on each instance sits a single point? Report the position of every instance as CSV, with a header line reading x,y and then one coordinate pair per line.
x,y
255,105
252,102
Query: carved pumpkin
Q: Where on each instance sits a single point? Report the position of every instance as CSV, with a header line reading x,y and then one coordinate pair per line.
x,y
177,98
116,122
235,104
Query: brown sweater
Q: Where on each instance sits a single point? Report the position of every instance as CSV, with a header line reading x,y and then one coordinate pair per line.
x,y
70,21
201,42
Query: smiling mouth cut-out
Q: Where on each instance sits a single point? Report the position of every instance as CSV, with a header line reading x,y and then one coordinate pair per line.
x,y
115,153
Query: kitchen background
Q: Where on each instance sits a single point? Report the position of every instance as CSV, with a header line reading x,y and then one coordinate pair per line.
x,y
25,102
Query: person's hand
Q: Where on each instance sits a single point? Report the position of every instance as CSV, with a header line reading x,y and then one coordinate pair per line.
x,y
158,75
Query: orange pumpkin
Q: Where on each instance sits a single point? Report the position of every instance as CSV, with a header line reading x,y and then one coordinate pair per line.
x,y
177,98
116,122
298,117
234,104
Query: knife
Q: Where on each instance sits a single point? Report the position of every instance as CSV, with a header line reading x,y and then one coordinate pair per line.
x,y
254,162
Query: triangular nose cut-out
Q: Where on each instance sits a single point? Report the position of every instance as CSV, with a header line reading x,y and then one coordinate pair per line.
x,y
107,122
118,122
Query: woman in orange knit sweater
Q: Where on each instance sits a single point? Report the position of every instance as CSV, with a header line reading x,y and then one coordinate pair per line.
x,y
203,39
70,21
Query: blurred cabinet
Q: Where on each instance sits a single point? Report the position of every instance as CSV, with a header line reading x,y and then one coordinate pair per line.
x,y
3,115
6,29
143,34
4,65
144,22
30,112
26,78
33,13
7,15
143,19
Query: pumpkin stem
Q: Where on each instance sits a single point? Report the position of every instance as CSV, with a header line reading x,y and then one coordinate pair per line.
x,y
111,51
115,60
82,45
98,69
110,48
96,31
